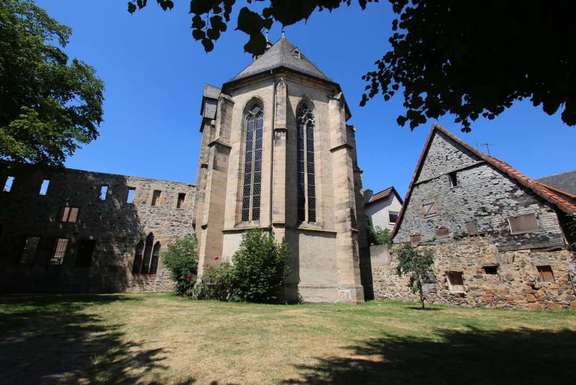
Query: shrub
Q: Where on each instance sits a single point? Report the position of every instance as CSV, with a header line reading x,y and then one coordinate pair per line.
x,y
418,265
181,259
217,283
260,268
379,236
257,274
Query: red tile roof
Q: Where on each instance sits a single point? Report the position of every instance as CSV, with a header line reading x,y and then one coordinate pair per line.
x,y
383,194
562,200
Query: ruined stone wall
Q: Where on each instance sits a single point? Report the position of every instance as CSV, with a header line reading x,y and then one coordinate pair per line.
x,y
115,225
517,282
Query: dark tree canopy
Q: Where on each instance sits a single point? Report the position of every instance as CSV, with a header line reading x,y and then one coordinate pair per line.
x,y
467,58
48,105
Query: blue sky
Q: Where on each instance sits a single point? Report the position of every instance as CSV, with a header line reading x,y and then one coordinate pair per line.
x,y
154,73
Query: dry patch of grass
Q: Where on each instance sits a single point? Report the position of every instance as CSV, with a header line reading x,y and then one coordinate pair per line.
x,y
163,339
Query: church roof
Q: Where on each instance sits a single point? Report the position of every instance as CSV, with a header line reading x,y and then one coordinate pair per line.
x,y
565,182
282,54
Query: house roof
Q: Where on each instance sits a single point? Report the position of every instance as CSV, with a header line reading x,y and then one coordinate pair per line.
x,y
561,200
565,181
282,54
383,194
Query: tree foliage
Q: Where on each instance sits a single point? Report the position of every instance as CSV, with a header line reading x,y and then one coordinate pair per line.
x,y
181,259
418,265
467,58
48,104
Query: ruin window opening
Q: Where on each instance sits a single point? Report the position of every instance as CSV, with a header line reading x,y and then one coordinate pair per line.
x,y
393,216
60,249
455,281
138,254
8,183
156,194
306,177
130,195
254,121
69,214
148,245
29,250
103,192
44,187
545,272
453,176
85,253
490,269
526,223
181,200
155,258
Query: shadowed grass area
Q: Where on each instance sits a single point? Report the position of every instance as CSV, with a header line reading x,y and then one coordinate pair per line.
x,y
163,339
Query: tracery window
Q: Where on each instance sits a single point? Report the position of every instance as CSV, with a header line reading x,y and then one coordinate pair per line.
x,y
305,164
252,164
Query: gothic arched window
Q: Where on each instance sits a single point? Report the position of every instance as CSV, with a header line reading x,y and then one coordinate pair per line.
x,y
155,258
306,179
147,253
137,265
252,164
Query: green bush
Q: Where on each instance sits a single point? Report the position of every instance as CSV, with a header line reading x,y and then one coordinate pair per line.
x,y
379,236
257,274
217,283
181,259
260,268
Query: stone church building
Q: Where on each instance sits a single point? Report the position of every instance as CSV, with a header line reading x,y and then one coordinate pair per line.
x,y
499,238
278,155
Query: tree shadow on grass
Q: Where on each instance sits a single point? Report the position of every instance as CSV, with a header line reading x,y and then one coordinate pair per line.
x,y
453,358
48,340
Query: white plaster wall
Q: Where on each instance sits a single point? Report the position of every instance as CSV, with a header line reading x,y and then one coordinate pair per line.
x,y
379,212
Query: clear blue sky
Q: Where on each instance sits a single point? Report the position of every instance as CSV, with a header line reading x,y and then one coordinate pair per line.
x,y
154,73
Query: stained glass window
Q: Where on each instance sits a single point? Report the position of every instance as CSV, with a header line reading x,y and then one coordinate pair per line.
x,y
252,164
306,179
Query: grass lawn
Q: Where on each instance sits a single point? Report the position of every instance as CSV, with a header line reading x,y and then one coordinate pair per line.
x,y
163,339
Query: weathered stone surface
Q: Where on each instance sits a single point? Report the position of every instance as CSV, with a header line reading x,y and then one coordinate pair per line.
x,y
115,225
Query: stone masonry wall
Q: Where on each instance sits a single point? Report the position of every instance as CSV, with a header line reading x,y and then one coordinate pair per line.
x,y
115,225
516,284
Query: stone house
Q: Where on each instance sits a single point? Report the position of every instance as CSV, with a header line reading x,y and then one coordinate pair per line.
x,y
499,238
65,230
278,155
383,208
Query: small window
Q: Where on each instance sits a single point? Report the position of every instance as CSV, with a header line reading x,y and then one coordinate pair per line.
x,y
429,209
44,187
85,252
8,184
181,200
156,194
526,223
442,231
455,281
393,216
490,269
69,214
415,239
29,250
453,176
471,228
131,195
103,192
59,251
546,273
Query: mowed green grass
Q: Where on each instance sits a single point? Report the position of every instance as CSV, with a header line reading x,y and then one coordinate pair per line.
x,y
164,339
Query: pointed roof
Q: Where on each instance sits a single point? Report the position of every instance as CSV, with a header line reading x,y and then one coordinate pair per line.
x,y
282,54
383,194
561,200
